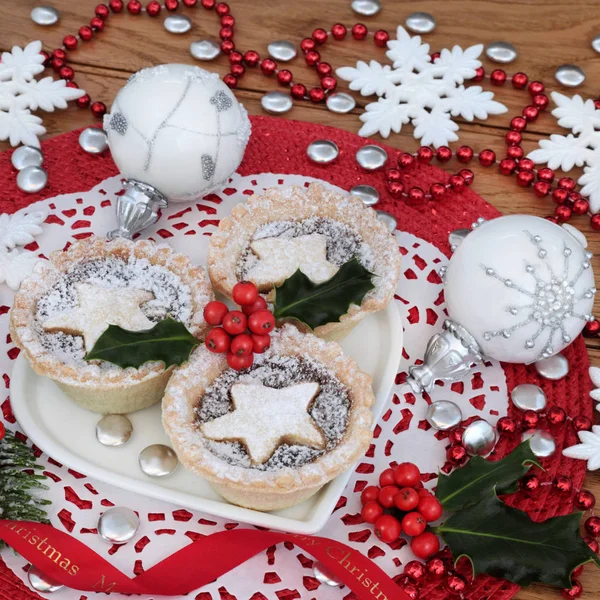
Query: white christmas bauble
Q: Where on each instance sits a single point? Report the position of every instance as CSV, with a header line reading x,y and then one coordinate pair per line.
x,y
177,128
522,286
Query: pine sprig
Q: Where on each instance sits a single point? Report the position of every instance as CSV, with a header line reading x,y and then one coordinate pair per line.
x,y
19,479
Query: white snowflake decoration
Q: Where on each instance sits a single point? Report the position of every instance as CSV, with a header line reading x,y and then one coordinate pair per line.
x,y
20,93
416,90
18,229
595,377
581,148
589,449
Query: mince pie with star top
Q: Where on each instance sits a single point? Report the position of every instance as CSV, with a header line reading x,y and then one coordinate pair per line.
x,y
314,230
272,435
69,301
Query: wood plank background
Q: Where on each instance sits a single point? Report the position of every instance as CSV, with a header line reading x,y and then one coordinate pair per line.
x,y
547,33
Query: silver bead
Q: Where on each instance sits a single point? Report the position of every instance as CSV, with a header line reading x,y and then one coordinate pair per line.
x,y
276,103
479,438
40,582
177,24
282,50
388,219
114,430
443,415
44,15
32,179
371,157
554,368
366,8
596,43
501,52
93,140
26,156
368,194
527,396
325,576
570,75
456,237
340,103
205,50
542,443
322,151
158,460
420,22
118,525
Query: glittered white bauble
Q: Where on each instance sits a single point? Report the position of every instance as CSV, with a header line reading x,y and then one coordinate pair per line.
x,y
522,286
179,129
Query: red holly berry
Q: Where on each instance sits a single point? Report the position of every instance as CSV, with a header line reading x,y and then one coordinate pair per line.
x,y
387,495
238,363
369,494
423,492
407,499
413,524
387,528
425,545
259,304
260,342
430,508
261,321
214,312
242,344
387,478
244,292
407,475
371,511
217,340
234,322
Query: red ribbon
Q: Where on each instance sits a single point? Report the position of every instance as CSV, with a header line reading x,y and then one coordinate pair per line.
x,y
71,563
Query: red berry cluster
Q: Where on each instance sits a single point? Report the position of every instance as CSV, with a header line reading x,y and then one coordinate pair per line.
x,y
240,333
411,507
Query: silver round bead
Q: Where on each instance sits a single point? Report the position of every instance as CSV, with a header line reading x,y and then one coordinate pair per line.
x,y
276,103
93,140
596,43
32,179
366,8
420,22
501,52
570,75
322,151
26,156
114,430
371,157
177,24
340,103
542,443
282,50
325,576
456,237
158,460
479,438
443,415
527,396
554,368
44,15
366,193
388,219
205,50
118,525
40,582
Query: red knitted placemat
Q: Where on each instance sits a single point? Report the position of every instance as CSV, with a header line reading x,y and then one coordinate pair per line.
x,y
278,149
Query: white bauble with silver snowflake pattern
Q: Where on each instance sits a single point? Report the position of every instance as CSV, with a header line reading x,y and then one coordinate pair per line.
x,y
179,129
522,286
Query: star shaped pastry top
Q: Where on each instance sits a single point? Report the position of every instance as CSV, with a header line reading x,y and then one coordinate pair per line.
x,y
264,418
98,308
280,258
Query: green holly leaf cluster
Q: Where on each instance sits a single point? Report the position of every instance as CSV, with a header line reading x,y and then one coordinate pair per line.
x,y
503,541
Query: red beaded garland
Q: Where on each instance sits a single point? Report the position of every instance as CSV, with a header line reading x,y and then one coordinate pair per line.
x,y
513,138
230,80
456,435
395,188
222,9
585,500
536,87
381,38
227,21
575,591
359,31
393,175
324,69
592,526
464,154
411,591
320,36
251,58
457,183
83,101
507,166
171,5
541,101
487,158
498,77
556,415
406,160
531,113
424,154
59,53
582,423
530,483
435,567
457,454
329,83
98,109
307,44
530,419
66,73
284,77
560,196
519,80
514,152
416,195
235,57
414,570
518,123
86,33
479,73
437,191
541,188
70,42
316,95
443,154
268,66
57,64
238,70
526,164
546,174
225,33
298,91
190,3
591,328
153,8
339,31
312,58
563,212
592,543
595,221
102,11
116,5
455,584
97,24
562,484
467,175
506,425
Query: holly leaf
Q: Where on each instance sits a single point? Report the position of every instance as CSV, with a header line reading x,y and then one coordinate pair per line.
x,y
316,304
474,481
504,542
168,341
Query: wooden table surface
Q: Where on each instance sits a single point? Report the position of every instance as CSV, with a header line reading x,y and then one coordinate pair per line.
x,y
546,33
